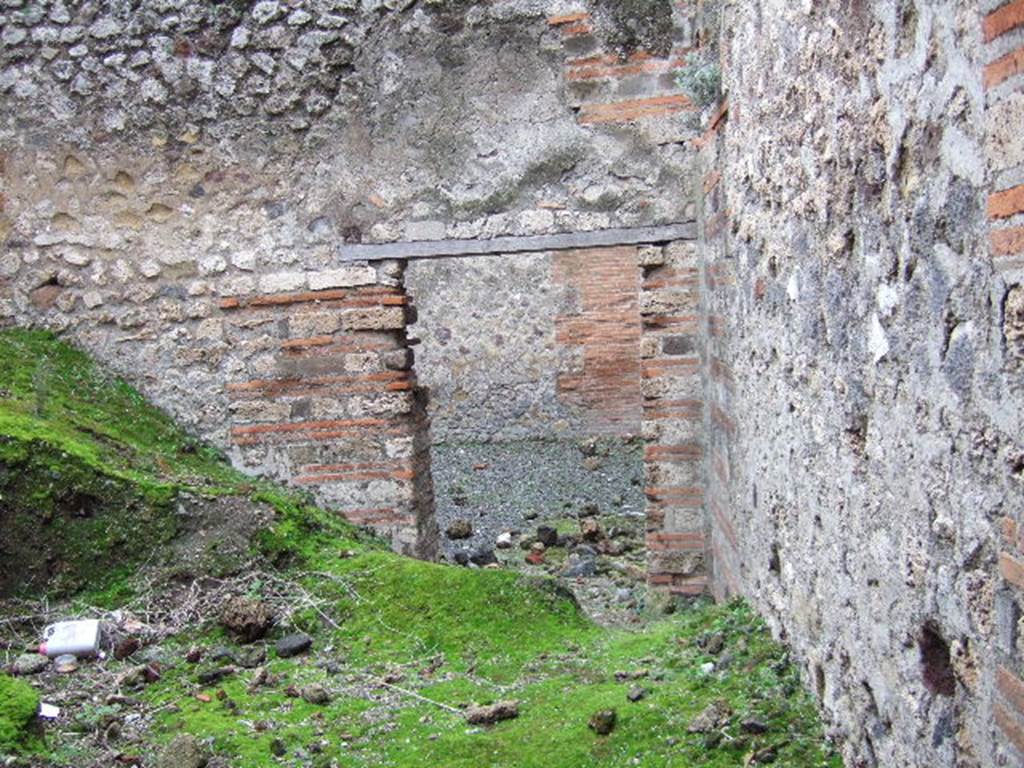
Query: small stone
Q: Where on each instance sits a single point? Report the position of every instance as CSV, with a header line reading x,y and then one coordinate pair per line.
x,y
222,655
715,643
590,529
212,676
583,569
29,664
547,535
636,693
278,748
602,723
753,726
483,557
715,715
293,645
530,515
535,557
504,540
266,11
250,658
459,529
246,618
316,694
494,713
183,752
764,756
126,648
613,548
194,655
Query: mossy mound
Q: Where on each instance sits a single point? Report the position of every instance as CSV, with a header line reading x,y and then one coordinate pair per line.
x,y
18,706
94,480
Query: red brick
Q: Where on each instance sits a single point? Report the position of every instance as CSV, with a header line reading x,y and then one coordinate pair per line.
x,y
263,387
1012,689
1001,70
306,426
634,109
313,341
1011,569
1003,20
675,542
1010,726
610,67
568,18
1007,242
716,123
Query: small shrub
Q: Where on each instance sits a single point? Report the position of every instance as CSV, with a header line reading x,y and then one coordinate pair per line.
x,y
701,80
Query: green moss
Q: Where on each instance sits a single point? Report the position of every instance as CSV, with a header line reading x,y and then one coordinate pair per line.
x,y
537,651
18,706
91,474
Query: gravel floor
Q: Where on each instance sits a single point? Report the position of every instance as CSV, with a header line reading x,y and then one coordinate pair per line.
x,y
518,486
495,485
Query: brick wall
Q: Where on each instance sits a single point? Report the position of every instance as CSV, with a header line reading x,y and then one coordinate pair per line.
x,y
672,418
608,87
326,397
1002,30
600,331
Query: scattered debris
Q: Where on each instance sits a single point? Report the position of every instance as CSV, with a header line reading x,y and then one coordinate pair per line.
x,y
77,638
126,647
547,536
753,726
590,529
504,540
636,693
213,676
66,663
493,713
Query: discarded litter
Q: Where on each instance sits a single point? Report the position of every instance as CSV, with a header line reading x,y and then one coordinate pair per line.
x,y
78,638
49,711
65,663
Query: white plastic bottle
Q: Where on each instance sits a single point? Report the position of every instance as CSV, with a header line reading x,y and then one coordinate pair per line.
x,y
79,638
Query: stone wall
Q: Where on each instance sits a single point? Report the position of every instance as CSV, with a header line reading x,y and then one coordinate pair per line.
x,y
530,345
160,160
862,368
486,347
